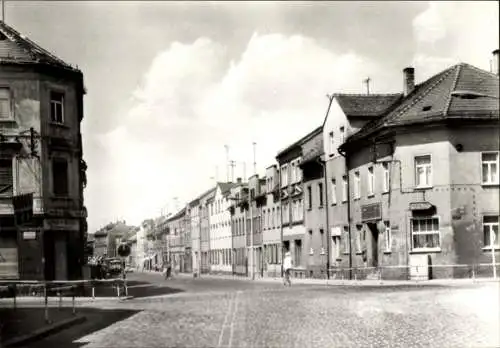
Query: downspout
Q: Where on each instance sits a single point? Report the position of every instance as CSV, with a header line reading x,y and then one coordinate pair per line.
x,y
328,237
281,220
344,154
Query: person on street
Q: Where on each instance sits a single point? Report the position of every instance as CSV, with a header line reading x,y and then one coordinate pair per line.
x,y
287,267
168,270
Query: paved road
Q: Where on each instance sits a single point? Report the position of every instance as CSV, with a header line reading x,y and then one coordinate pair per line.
x,y
228,313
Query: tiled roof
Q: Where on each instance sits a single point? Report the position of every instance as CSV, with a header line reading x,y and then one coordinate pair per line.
x,y
366,105
225,187
462,91
16,48
300,141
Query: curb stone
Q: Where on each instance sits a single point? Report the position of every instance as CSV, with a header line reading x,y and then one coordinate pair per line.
x,y
44,332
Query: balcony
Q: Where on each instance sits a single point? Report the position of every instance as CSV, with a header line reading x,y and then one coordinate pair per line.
x,y
6,207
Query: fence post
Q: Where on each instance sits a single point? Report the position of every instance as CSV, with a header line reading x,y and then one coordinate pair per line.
x,y
93,291
118,290
473,273
46,311
59,293
73,300
15,294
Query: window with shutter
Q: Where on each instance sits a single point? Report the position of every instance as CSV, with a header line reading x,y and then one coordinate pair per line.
x,y
6,177
5,104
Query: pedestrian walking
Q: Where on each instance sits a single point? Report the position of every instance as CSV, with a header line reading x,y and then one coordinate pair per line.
x,y
287,267
168,270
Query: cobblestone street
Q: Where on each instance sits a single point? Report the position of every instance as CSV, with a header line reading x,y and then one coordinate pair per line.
x,y
256,314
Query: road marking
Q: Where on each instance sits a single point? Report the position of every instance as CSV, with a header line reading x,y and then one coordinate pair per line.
x,y
231,330
221,335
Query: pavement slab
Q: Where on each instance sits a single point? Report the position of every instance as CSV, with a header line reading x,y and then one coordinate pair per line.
x,y
227,313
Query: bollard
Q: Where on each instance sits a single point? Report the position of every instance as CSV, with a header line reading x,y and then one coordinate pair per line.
x,y
73,300
14,296
126,288
118,290
93,292
59,293
46,311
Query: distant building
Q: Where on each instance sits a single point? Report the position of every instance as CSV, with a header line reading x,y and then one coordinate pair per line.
x,y
271,227
254,234
176,226
238,210
316,205
41,109
204,253
220,229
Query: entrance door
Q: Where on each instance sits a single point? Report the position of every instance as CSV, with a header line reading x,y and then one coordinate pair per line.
x,y
61,258
373,245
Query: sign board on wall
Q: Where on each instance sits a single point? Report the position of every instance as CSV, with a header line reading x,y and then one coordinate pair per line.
x,y
336,231
29,235
371,212
62,224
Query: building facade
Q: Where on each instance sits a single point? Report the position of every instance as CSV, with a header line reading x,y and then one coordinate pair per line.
x,y
316,206
220,229
271,227
292,204
238,210
424,178
176,228
255,252
41,108
205,200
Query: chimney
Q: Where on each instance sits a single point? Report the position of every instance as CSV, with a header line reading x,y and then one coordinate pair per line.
x,y
494,68
238,180
408,80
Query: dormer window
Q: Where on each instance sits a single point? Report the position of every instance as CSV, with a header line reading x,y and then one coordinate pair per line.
x,y
427,108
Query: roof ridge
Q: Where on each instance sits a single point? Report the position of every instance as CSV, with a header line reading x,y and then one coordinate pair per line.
x,y
455,82
479,69
24,42
439,78
366,95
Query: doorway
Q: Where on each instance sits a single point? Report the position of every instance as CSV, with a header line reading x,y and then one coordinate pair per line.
x,y
372,245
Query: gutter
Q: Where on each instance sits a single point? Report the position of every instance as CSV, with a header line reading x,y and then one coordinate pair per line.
x,y
344,154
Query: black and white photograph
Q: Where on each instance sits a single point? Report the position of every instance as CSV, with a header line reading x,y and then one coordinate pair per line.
x,y
249,174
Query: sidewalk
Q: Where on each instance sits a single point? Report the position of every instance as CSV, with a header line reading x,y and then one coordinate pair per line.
x,y
347,282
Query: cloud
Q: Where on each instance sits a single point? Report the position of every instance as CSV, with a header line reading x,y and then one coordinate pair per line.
x,y
195,99
449,32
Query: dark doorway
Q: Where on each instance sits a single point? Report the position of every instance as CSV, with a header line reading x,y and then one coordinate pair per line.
x,y
373,245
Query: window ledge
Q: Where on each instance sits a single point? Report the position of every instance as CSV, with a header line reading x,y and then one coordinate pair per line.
x,y
490,184
333,204
371,195
385,192
320,207
423,187
387,252
488,248
346,253
425,250
357,199
309,209
57,124
344,201
8,120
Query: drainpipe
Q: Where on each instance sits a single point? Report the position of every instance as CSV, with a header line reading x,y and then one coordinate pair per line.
x,y
344,154
328,237
281,219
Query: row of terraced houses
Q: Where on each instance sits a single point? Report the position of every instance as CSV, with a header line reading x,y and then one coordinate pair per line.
x,y
387,183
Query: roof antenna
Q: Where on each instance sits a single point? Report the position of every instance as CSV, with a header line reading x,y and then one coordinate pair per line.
x,y
367,82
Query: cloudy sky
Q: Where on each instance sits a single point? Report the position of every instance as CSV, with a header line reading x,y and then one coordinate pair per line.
x,y
170,83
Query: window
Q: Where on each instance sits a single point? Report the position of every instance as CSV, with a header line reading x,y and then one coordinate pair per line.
x,y
298,253
490,230
357,184
371,182
385,170
320,192
425,233
298,174
57,107
345,235
387,236
300,210
334,191
423,171
359,234
489,161
309,197
336,248
264,219
6,177
342,135
285,213
60,177
344,188
5,104
292,172
284,175
332,143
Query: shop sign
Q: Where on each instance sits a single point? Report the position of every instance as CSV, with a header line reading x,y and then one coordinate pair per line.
x,y
371,212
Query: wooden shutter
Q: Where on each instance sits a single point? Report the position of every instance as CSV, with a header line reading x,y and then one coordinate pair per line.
x,y
5,105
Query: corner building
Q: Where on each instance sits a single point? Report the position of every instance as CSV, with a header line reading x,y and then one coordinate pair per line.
x,y
41,108
424,180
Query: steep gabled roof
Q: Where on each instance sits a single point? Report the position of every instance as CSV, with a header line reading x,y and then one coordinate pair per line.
x,y
18,49
461,91
225,187
366,105
299,142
